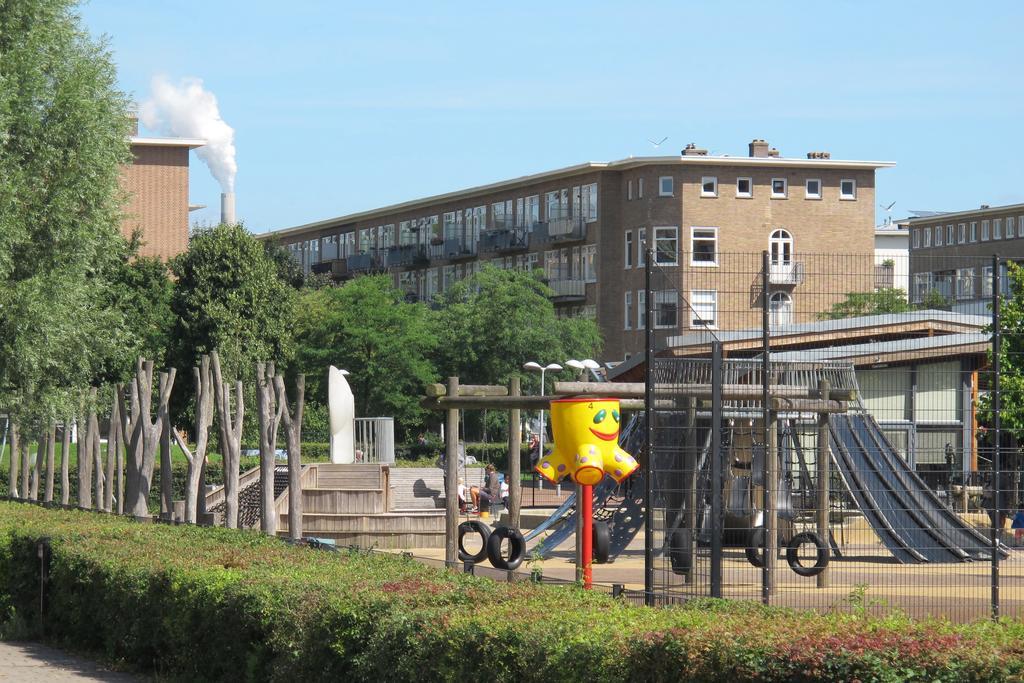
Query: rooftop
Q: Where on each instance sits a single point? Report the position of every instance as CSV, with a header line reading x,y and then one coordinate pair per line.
x,y
984,209
590,166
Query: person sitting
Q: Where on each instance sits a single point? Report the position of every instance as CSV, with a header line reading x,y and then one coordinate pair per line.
x,y
463,503
491,491
503,491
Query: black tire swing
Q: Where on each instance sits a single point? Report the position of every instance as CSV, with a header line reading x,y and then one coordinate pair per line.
x,y
517,548
477,527
679,551
793,557
602,542
755,547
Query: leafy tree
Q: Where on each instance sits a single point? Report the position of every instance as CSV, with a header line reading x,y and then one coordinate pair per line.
x,y
228,296
1011,360
933,300
367,328
63,138
885,300
497,320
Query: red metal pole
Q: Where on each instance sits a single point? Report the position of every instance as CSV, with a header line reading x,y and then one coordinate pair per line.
x,y
587,511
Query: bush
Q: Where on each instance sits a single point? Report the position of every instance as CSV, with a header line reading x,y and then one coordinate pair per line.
x,y
211,604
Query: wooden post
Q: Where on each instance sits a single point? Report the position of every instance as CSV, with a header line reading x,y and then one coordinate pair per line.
x,y
451,484
166,473
65,462
113,448
269,418
293,435
514,455
771,512
51,445
12,472
37,464
823,476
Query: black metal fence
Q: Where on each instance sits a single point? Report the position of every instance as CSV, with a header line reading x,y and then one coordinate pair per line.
x,y
836,432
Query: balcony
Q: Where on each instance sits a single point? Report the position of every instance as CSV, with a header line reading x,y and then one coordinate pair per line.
x,y
459,249
505,240
364,263
885,276
791,273
407,255
322,268
568,290
567,229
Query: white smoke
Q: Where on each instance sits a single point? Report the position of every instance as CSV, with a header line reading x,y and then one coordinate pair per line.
x,y
188,110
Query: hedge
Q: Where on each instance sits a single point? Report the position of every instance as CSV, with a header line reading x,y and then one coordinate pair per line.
x,y
214,604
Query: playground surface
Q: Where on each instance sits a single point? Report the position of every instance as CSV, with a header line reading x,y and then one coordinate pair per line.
x,y
867,576
30,662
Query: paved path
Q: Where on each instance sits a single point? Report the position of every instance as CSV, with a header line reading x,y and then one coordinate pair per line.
x,y
32,662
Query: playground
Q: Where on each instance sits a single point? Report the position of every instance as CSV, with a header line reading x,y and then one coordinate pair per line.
x,y
875,536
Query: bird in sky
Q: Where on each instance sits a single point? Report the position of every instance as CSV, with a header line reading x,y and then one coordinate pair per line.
x,y
888,208
658,143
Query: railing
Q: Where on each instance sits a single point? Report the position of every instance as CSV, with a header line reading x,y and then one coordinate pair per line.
x,y
885,276
359,263
407,255
375,440
459,248
565,229
568,289
502,240
786,274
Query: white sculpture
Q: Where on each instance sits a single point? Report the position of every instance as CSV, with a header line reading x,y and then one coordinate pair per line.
x,y
342,407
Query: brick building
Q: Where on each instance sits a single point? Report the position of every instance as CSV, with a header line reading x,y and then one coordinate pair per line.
x,y
708,219
951,253
157,183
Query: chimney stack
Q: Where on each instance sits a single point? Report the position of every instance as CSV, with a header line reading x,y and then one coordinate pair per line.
x,y
819,155
693,151
758,148
227,208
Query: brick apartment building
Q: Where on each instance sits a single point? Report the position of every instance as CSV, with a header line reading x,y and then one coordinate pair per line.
x,y
157,183
951,253
708,218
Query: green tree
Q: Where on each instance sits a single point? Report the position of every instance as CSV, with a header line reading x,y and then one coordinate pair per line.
x,y
1011,360
367,328
492,323
63,138
229,296
933,300
885,300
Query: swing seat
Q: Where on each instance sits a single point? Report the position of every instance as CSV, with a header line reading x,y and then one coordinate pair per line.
x,y
738,501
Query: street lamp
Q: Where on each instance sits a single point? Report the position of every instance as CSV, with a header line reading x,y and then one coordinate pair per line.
x,y
582,365
537,367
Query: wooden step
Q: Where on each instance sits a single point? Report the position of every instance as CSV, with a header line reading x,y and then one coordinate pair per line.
x,y
364,501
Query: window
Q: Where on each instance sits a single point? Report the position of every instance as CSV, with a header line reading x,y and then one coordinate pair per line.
x,y
974,231
779,187
1010,228
627,316
922,283
938,235
666,246
709,186
780,307
557,204
917,238
641,247
641,309
627,250
984,231
639,188
927,233
813,189
986,281
965,283
704,303
703,246
588,263
665,186
629,194
997,228
847,189
532,211
961,233
949,234
744,187
666,309
584,202
780,244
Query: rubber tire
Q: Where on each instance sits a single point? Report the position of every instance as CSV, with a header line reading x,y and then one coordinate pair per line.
x,y
474,526
516,554
794,560
679,551
755,547
601,543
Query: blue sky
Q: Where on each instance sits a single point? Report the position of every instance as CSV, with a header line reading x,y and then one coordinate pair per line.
x,y
340,107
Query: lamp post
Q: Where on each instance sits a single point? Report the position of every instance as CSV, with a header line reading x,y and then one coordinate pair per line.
x,y
582,365
537,367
